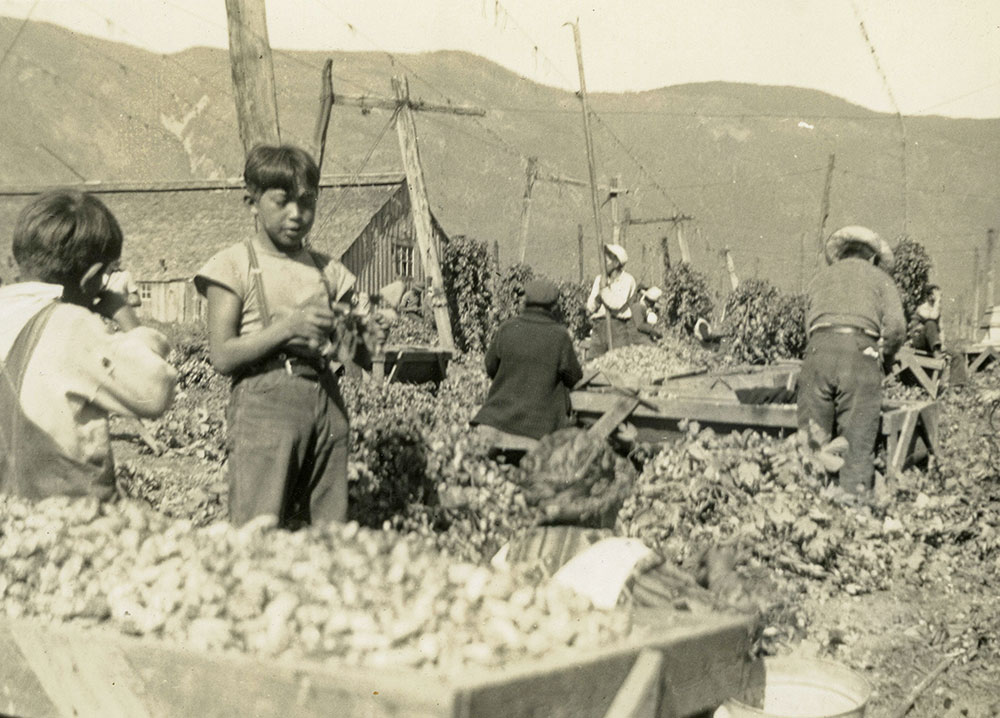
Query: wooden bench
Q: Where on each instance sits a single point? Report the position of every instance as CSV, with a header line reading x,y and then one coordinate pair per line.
x,y
928,371
56,671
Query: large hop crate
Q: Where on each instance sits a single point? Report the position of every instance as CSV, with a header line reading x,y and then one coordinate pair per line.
x,y
51,670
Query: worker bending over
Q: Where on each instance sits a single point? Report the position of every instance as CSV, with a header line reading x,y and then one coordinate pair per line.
x,y
854,311
615,300
645,320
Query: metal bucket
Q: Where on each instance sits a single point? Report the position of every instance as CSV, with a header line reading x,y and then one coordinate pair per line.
x,y
805,688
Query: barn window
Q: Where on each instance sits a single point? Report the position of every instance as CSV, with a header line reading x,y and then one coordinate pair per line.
x,y
145,291
402,259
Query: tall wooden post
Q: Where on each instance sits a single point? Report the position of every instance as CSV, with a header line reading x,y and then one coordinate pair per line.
x,y
420,206
665,256
623,233
802,262
496,253
824,211
616,224
991,239
734,281
579,250
532,175
323,118
976,274
682,243
594,201
253,73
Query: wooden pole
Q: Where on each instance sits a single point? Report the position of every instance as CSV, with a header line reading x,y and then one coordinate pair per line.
x,y
253,73
802,262
991,237
579,250
976,274
532,175
323,118
616,224
594,201
420,206
665,255
824,211
626,221
496,253
734,281
682,242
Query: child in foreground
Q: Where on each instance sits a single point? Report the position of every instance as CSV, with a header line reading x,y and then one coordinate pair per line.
x,y
271,310
63,371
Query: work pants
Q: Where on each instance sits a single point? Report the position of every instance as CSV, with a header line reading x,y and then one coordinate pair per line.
x,y
840,394
621,335
929,338
288,439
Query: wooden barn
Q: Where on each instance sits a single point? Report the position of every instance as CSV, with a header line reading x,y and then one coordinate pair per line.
x,y
172,228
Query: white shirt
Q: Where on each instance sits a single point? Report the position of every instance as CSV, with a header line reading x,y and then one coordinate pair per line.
x,y
617,296
80,371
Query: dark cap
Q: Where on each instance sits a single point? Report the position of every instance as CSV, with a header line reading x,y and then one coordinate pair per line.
x,y
540,292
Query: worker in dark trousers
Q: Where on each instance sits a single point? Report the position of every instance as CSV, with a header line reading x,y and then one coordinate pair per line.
x,y
855,325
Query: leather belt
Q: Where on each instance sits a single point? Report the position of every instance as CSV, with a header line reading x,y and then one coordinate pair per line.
x,y
841,329
293,364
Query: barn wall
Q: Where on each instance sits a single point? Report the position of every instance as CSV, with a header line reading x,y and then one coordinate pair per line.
x,y
370,257
175,301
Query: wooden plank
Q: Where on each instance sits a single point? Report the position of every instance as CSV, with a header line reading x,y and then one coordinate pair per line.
x,y
704,663
639,695
72,674
372,102
774,416
198,185
253,73
614,416
904,441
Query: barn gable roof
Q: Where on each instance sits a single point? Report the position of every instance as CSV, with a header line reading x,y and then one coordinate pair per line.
x,y
172,228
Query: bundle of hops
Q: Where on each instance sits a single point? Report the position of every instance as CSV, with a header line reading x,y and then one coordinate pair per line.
x,y
572,477
643,362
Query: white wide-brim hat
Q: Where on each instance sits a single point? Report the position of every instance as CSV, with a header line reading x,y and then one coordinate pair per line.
x,y
653,294
617,251
856,234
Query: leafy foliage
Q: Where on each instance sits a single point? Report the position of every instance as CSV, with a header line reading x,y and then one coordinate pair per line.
x,y
686,296
911,271
468,269
764,324
509,289
572,308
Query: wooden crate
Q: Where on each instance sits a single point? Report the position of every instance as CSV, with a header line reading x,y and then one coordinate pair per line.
x,y
720,384
54,670
909,429
411,364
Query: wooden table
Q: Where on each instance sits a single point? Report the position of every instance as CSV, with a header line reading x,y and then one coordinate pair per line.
x,y
51,671
977,356
908,430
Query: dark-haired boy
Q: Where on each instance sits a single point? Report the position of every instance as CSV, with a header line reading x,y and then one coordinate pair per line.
x,y
62,370
269,314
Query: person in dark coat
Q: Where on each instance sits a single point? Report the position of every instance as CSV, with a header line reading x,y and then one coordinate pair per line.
x,y
533,366
855,325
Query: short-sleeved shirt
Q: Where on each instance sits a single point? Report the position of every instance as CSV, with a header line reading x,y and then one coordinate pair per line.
x,y
80,371
288,279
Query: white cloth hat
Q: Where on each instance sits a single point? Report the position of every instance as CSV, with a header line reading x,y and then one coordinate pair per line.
x,y
845,236
617,251
654,294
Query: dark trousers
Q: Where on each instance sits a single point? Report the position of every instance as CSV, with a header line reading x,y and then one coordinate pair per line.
x,y
929,338
288,443
840,394
621,335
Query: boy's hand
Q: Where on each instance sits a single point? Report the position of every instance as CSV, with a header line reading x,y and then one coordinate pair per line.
x,y
310,322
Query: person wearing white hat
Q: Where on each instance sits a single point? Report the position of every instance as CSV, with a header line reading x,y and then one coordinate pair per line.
x,y
855,311
645,319
611,304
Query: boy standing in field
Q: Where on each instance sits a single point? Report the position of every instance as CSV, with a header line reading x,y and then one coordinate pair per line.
x,y
270,312
61,370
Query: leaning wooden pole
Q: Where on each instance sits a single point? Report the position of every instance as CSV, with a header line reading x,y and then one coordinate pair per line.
x,y
406,129
323,118
824,210
531,175
594,200
253,73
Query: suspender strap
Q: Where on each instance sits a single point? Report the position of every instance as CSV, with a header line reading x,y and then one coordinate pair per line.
x,y
258,283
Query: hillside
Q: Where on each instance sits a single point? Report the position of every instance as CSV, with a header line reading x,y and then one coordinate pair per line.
x,y
747,162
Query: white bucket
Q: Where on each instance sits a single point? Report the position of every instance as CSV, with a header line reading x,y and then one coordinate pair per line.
x,y
805,688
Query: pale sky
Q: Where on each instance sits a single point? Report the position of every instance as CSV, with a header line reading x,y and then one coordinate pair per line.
x,y
938,56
